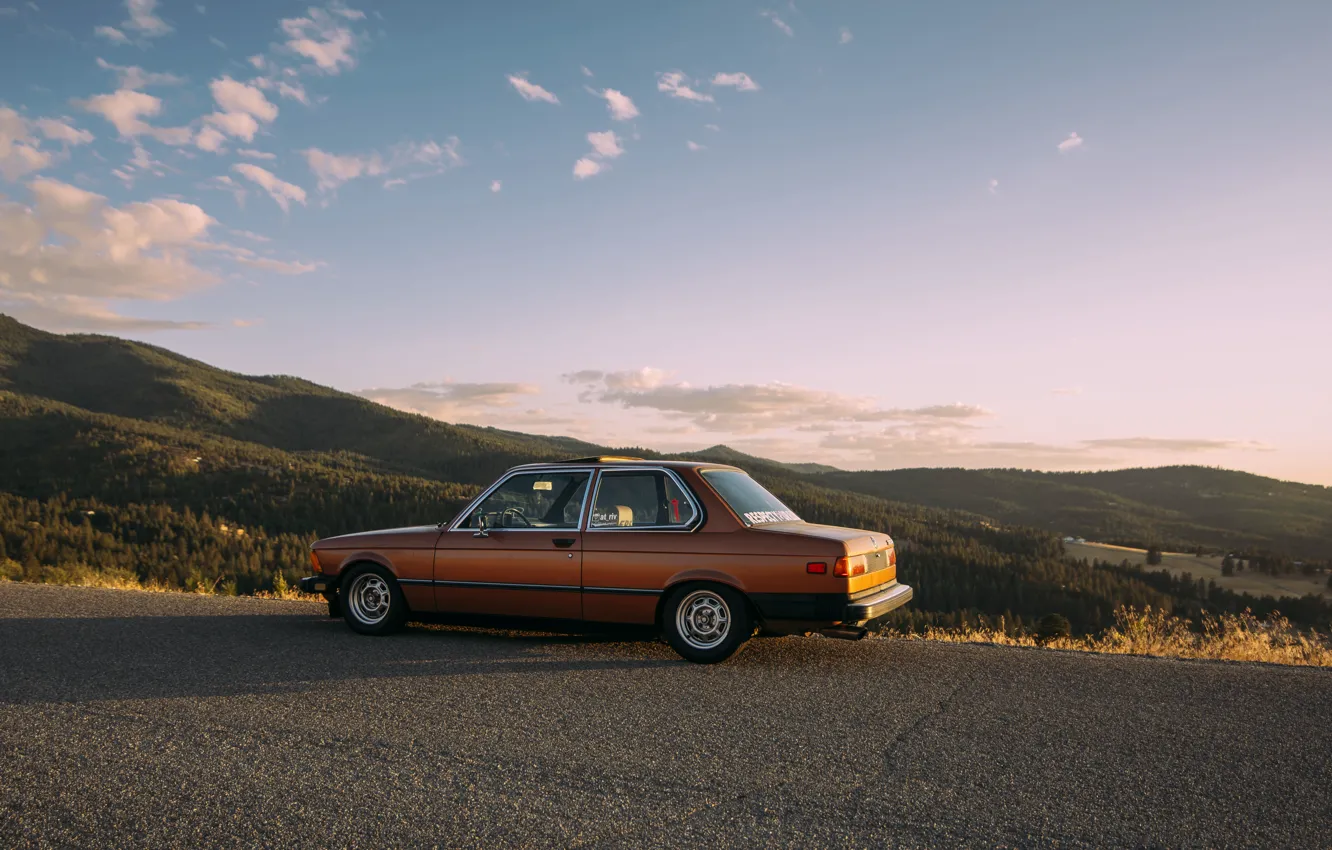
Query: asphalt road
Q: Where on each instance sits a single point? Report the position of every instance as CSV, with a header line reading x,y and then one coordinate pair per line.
x,y
157,720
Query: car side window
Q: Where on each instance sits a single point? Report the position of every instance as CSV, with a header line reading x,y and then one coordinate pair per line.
x,y
640,499
534,500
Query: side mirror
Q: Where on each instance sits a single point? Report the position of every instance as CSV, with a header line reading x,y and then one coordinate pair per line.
x,y
481,529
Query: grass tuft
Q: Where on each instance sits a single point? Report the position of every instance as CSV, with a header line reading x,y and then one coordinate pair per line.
x,y
1153,632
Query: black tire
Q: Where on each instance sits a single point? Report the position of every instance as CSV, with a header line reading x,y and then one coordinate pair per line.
x,y
371,601
692,620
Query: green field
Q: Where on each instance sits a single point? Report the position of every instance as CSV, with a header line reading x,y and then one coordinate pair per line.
x,y
1207,567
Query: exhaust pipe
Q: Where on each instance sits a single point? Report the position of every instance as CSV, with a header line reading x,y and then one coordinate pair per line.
x,y
844,632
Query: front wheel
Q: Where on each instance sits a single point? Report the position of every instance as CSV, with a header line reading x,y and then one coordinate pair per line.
x,y
706,623
371,601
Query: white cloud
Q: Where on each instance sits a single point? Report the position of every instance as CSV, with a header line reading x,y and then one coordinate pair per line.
x,y
994,186
111,34
620,106
418,159
530,90
695,146
282,192
135,251
844,36
483,403
125,109
605,145
322,38
1073,141
59,131
217,42
585,168
740,81
20,151
249,153
777,22
587,72
1159,444
144,20
748,408
713,127
134,77
676,84
496,185
211,139
233,96
293,91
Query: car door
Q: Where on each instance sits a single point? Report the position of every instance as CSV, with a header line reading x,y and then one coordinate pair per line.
x,y
638,536
528,559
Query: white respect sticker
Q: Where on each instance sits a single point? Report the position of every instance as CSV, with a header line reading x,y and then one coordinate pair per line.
x,y
758,517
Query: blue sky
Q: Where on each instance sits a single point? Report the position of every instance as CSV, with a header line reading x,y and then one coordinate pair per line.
x,y
1044,235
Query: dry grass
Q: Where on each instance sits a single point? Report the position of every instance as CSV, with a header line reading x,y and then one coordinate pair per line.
x,y
79,575
1150,631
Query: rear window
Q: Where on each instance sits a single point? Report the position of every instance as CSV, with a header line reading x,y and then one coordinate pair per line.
x,y
747,498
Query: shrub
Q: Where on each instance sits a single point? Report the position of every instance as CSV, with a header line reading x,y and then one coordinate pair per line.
x,y
1052,627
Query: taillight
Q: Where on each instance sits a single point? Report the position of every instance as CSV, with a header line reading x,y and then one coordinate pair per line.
x,y
817,567
852,566
892,557
314,561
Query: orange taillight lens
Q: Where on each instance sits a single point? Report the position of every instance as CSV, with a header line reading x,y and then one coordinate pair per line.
x,y
852,566
314,561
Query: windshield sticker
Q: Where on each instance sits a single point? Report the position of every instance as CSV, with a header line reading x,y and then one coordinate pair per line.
x,y
542,485
759,517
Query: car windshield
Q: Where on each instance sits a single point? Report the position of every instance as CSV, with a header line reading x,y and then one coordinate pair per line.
x,y
747,498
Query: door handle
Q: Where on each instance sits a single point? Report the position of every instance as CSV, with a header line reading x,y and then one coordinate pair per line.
x,y
565,542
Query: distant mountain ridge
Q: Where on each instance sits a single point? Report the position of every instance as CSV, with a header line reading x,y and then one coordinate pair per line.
x,y
117,455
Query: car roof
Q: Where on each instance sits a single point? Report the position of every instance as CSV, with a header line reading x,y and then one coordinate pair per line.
x,y
612,461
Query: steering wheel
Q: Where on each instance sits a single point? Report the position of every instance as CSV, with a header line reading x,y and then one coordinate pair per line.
x,y
520,521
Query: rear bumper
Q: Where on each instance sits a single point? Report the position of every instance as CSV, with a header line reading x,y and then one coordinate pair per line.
x,y
831,607
876,606
319,584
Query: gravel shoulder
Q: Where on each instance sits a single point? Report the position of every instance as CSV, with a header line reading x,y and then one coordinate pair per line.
x,y
134,719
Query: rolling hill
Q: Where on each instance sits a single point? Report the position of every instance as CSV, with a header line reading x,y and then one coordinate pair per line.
x,y
117,456
1177,507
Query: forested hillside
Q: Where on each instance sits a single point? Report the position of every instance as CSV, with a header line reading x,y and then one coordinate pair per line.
x,y
123,457
1176,508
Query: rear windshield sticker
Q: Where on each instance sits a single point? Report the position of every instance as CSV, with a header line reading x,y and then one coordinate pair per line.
x,y
758,517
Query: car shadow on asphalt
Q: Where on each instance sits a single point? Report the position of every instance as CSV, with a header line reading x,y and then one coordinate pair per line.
x,y
82,659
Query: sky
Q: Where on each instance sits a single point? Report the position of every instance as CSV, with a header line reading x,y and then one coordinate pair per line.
x,y
873,234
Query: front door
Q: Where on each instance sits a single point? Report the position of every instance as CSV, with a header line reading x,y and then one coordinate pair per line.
x,y
528,560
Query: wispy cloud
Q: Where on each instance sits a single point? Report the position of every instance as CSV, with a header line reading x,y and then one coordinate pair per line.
x,y
777,21
410,161
282,192
530,90
1073,142
676,84
496,185
323,37
695,146
143,22
125,109
993,186
1160,444
740,81
134,77
844,36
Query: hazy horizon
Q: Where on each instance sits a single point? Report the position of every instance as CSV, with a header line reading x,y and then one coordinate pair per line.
x,y
943,235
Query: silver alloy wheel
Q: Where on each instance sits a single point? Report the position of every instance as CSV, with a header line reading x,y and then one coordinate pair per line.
x,y
703,619
369,598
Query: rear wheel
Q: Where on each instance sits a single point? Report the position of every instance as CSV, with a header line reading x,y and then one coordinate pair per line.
x,y
706,623
371,600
